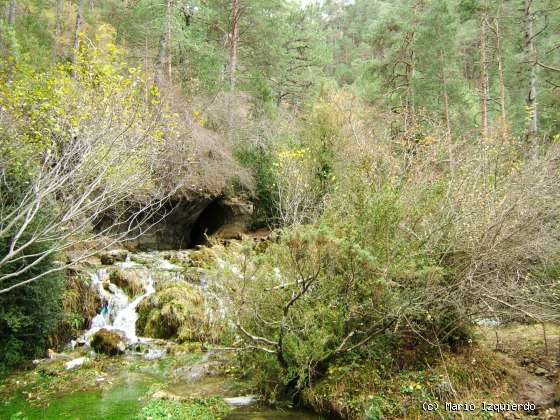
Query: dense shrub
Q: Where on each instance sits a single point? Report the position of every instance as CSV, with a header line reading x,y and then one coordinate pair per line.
x,y
259,159
28,314
319,295
410,244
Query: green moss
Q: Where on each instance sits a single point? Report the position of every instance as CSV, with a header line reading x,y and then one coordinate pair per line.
x,y
120,403
369,389
175,311
211,408
128,281
107,342
80,303
203,257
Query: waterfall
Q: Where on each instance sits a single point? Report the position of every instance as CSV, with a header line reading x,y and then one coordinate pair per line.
x,y
126,319
118,312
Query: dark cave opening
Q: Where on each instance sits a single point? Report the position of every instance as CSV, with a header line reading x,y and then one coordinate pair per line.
x,y
212,218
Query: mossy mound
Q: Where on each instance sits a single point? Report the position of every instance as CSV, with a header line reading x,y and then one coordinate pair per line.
x,y
108,342
80,304
355,388
202,257
175,311
113,256
129,281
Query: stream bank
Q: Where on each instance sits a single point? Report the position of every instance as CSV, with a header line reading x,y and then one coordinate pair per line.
x,y
149,377
126,387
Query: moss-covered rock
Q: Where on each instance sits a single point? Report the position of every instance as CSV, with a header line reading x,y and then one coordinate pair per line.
x,y
108,342
179,257
128,280
203,257
80,303
113,256
175,311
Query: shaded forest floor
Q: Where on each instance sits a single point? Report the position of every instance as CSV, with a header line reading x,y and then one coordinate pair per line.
x,y
535,358
520,369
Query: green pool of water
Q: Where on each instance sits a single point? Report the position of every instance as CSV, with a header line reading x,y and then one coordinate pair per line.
x,y
122,401
124,389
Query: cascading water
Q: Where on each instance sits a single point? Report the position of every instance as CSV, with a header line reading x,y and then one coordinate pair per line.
x,y
118,312
126,319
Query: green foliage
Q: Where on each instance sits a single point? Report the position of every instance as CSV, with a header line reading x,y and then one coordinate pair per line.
x,y
392,215
27,317
212,408
260,160
320,136
375,412
79,304
363,278
28,314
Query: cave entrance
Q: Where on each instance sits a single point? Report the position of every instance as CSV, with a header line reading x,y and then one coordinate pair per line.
x,y
212,218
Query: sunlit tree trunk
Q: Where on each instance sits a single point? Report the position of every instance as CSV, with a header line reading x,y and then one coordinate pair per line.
x,y
233,41
163,62
58,28
59,13
445,98
158,77
483,78
499,59
530,51
146,68
12,12
168,40
79,18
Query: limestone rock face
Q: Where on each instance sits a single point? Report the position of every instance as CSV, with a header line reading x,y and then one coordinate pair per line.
x,y
108,342
239,215
190,221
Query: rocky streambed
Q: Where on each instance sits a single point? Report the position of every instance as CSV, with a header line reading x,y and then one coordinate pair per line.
x,y
113,371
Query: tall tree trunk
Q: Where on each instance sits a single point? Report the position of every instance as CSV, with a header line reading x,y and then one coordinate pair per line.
x,y
146,68
158,77
233,40
168,40
12,12
79,18
163,62
58,28
59,13
483,78
530,51
499,58
445,98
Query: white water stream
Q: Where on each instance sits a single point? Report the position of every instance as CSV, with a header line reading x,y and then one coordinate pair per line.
x,y
119,312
